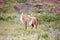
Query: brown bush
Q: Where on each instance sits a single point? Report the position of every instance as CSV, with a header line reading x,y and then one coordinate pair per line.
x,y
55,10
51,2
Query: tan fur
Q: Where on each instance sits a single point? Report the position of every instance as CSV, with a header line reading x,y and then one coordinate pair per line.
x,y
27,20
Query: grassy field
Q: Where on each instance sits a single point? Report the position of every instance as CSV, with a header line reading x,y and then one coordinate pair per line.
x,y
10,30
13,29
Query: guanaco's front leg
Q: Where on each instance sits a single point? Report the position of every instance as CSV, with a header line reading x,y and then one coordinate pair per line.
x,y
25,25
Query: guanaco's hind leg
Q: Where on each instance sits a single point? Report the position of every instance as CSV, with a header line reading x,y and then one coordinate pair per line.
x,y
35,25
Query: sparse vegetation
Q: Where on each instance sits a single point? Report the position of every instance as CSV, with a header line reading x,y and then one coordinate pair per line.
x,y
11,27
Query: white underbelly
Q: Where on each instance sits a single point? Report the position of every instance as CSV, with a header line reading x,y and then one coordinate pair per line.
x,y
30,22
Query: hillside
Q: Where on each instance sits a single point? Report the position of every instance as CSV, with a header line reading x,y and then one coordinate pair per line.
x,y
46,11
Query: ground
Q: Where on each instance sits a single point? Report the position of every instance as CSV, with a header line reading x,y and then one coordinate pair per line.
x,y
16,31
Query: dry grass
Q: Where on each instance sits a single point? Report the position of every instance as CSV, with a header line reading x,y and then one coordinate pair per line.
x,y
16,31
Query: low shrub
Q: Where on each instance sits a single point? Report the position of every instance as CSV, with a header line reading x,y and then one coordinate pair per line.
x,y
6,19
46,18
1,18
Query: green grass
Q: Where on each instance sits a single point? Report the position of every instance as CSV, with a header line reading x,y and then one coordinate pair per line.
x,y
15,30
